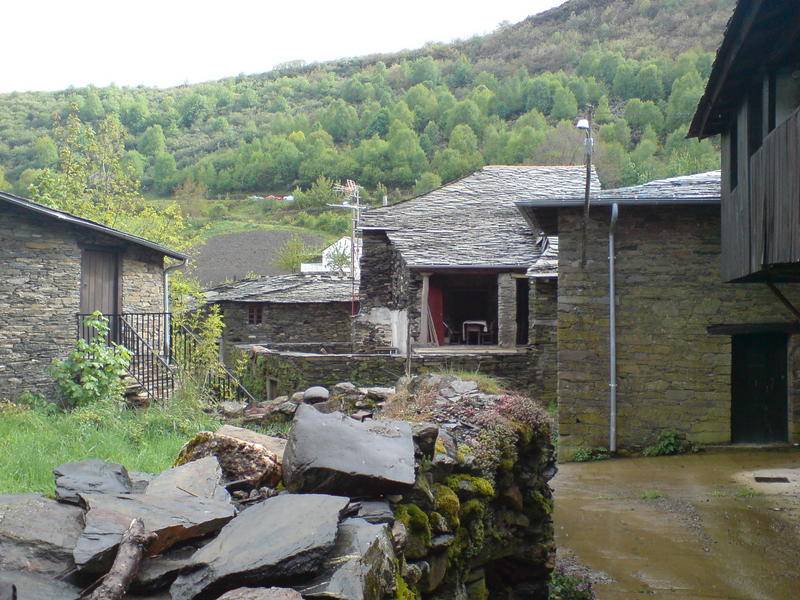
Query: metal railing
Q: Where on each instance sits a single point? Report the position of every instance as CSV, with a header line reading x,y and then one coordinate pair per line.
x,y
160,349
147,366
223,384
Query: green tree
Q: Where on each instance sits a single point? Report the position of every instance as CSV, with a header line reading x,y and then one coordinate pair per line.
x,y
45,152
641,115
91,108
153,141
427,182
424,70
340,120
406,156
164,172
294,252
565,106
192,108
4,185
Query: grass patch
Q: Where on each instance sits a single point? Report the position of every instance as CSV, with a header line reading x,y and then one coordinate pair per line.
x,y
568,586
746,492
669,443
486,383
34,440
651,495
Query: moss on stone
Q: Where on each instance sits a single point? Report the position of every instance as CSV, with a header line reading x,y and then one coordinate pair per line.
x,y
478,590
470,485
418,527
402,591
447,504
473,509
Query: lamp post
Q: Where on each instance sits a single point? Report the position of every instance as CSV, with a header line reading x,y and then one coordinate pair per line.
x,y
585,125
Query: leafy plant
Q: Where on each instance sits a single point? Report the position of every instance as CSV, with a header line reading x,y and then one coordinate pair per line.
x,y
590,454
669,442
652,495
565,586
93,372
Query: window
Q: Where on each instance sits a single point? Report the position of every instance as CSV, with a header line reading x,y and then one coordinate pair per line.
x,y
255,314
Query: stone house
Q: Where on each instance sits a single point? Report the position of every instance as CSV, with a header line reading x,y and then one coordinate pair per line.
x,y
682,357
459,271
55,266
300,310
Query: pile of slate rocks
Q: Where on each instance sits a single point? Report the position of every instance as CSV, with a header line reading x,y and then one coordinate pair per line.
x,y
334,511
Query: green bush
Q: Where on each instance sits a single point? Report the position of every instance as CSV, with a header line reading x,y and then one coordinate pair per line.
x,y
93,371
669,442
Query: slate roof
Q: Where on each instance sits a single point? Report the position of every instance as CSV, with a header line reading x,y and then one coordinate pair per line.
x,y
69,218
702,188
296,288
547,264
473,221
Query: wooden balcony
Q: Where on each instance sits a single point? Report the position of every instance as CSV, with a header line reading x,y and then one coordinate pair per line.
x,y
774,204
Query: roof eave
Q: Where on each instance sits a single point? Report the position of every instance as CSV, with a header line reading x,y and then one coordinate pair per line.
x,y
79,222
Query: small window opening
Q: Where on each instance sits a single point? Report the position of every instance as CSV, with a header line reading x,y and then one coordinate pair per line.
x,y
255,314
755,119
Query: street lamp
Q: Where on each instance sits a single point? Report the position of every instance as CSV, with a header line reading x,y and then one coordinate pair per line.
x,y
585,125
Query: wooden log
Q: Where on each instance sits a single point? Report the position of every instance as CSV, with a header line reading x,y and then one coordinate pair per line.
x,y
126,565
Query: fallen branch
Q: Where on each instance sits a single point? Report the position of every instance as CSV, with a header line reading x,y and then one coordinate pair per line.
x,y
126,565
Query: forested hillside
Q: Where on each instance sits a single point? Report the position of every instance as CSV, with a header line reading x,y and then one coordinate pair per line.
x,y
403,123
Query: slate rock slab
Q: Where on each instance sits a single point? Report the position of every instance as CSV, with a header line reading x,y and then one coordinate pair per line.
x,y
240,460
316,394
32,586
38,534
274,444
376,512
91,476
334,454
158,573
262,594
197,479
360,567
172,519
281,538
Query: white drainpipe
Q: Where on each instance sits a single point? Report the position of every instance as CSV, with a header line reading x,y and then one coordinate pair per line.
x,y
167,316
612,335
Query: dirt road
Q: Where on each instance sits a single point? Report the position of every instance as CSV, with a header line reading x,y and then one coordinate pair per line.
x,y
685,527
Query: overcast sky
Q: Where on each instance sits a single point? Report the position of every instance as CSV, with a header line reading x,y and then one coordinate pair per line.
x,y
52,44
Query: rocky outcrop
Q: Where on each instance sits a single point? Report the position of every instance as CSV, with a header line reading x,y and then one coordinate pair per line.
x,y
454,506
332,453
300,529
172,519
90,477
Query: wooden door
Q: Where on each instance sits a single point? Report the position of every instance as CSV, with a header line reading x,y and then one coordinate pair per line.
x,y
100,284
759,400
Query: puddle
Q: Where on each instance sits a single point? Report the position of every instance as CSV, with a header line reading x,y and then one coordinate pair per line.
x,y
684,527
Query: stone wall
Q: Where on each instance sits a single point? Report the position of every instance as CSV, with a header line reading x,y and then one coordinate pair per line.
x,y
542,336
387,286
671,373
506,310
288,323
40,274
293,370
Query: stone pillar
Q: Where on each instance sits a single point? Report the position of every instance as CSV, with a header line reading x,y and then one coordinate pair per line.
x,y
506,310
424,325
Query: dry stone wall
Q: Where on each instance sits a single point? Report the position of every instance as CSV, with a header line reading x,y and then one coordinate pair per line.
x,y
288,323
672,373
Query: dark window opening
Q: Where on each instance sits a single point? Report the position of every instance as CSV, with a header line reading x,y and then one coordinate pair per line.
x,y
255,314
733,144
272,388
755,119
523,293
464,308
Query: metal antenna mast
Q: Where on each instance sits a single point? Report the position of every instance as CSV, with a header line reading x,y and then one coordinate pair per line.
x,y
351,201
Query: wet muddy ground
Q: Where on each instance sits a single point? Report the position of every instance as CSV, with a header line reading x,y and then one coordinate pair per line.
x,y
685,527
